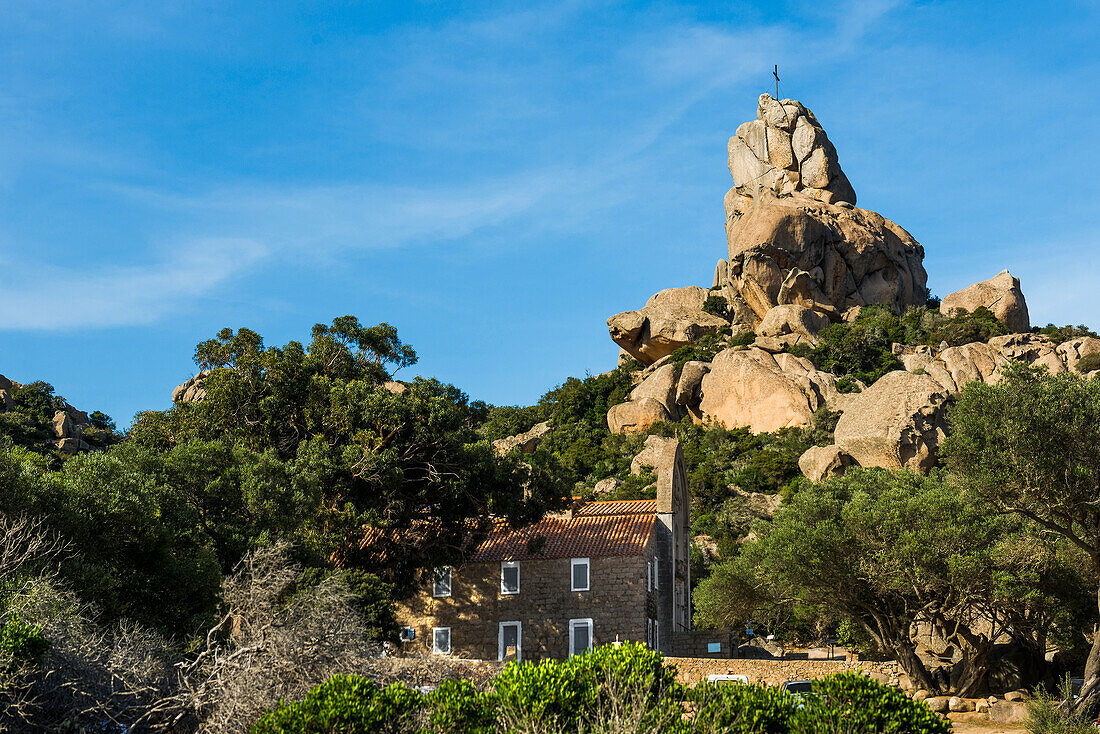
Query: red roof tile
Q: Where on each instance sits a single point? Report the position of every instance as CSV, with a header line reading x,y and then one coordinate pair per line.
x,y
617,507
599,532
593,530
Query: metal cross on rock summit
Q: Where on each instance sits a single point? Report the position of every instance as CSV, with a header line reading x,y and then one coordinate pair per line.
x,y
776,75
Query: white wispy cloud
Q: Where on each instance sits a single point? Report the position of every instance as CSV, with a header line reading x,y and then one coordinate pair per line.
x,y
49,297
229,230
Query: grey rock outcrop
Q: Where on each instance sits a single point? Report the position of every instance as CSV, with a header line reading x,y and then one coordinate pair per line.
x,y
1001,294
822,462
1075,350
660,386
689,386
670,319
796,250
63,426
762,391
192,390
635,416
526,442
607,486
896,423
785,150
793,233
791,324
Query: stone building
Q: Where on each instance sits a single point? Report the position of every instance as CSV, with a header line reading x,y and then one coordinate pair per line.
x,y
601,572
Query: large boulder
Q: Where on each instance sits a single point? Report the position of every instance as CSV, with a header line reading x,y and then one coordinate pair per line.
x,y
63,426
660,386
669,320
689,386
896,423
762,391
785,150
822,462
793,233
1077,349
821,256
1001,294
636,416
792,320
192,390
526,442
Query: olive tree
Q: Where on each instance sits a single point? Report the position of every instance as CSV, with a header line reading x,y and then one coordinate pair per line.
x,y
1030,445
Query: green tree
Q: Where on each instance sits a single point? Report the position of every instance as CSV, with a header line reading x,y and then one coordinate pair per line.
x,y
1030,445
888,549
312,442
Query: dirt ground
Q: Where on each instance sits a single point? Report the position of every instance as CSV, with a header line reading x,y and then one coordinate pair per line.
x,y
968,728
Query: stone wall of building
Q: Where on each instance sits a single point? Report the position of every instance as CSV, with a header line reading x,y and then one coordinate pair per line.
x,y
616,602
690,671
697,644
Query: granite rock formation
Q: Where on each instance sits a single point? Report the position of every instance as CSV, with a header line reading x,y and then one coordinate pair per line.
x,y
1001,294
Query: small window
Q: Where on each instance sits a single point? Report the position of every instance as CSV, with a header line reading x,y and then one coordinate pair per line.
x,y
509,577
579,569
441,640
649,633
580,636
441,582
656,573
408,634
649,575
656,635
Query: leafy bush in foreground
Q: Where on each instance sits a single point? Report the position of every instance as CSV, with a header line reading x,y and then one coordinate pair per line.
x,y
612,689
742,709
570,693
21,643
855,704
346,703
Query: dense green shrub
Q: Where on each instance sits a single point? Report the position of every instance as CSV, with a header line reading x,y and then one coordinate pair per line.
x,y
569,694
703,350
1088,363
22,643
1059,334
459,708
980,325
742,709
716,305
861,349
348,704
855,704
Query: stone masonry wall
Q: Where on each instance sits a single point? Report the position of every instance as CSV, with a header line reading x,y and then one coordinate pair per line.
x,y
695,644
690,671
616,602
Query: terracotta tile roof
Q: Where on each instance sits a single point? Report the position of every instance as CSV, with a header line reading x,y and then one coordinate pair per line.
x,y
617,507
598,529
593,530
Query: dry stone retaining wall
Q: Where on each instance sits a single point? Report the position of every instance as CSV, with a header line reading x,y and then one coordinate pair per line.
x,y
690,671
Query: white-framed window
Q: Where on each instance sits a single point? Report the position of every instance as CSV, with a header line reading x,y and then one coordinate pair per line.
x,y
580,636
649,575
510,640
441,640
509,577
408,634
656,572
441,581
656,635
649,633
579,574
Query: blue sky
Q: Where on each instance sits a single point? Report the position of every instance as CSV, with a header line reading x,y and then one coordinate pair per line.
x,y
494,179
